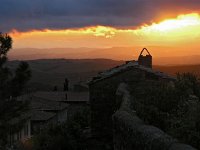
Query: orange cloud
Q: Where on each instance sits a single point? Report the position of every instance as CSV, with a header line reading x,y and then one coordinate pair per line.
x,y
182,31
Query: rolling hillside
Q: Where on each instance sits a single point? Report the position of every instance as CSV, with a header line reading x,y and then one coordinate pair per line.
x,y
161,55
46,73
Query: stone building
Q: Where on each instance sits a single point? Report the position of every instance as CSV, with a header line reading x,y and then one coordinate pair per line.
x,y
77,102
103,91
44,108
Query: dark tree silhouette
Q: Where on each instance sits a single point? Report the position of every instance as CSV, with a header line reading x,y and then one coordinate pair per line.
x,y
11,86
22,75
55,88
66,85
5,45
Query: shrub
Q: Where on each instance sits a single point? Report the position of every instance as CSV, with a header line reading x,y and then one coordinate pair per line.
x,y
173,108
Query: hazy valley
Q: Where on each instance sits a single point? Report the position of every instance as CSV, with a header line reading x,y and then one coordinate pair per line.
x,y
161,55
47,73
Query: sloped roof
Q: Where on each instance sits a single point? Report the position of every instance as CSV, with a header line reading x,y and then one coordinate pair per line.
x,y
21,117
77,96
40,103
61,96
53,100
46,104
34,115
124,67
45,100
38,115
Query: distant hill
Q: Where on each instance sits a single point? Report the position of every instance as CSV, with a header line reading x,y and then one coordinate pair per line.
x,y
47,73
50,72
161,55
177,61
172,70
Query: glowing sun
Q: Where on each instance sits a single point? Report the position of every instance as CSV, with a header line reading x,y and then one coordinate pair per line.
x,y
181,21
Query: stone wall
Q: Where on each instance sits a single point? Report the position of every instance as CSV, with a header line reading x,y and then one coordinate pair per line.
x,y
130,133
103,102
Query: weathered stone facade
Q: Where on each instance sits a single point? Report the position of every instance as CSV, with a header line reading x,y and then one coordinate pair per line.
x,y
103,100
103,93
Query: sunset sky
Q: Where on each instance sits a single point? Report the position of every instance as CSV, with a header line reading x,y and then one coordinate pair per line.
x,y
172,25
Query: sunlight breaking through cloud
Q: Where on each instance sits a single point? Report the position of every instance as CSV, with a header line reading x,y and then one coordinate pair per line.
x,y
170,25
183,28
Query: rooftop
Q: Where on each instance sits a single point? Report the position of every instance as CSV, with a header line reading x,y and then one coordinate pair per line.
x,y
39,103
38,115
21,117
57,96
124,67
43,102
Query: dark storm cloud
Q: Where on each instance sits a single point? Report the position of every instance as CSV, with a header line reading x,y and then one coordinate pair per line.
x,y
26,15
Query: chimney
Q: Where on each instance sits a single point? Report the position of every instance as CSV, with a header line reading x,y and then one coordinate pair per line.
x,y
145,60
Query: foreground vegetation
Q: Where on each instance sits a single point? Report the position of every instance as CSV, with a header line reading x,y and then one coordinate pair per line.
x,y
12,84
66,136
72,135
173,107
